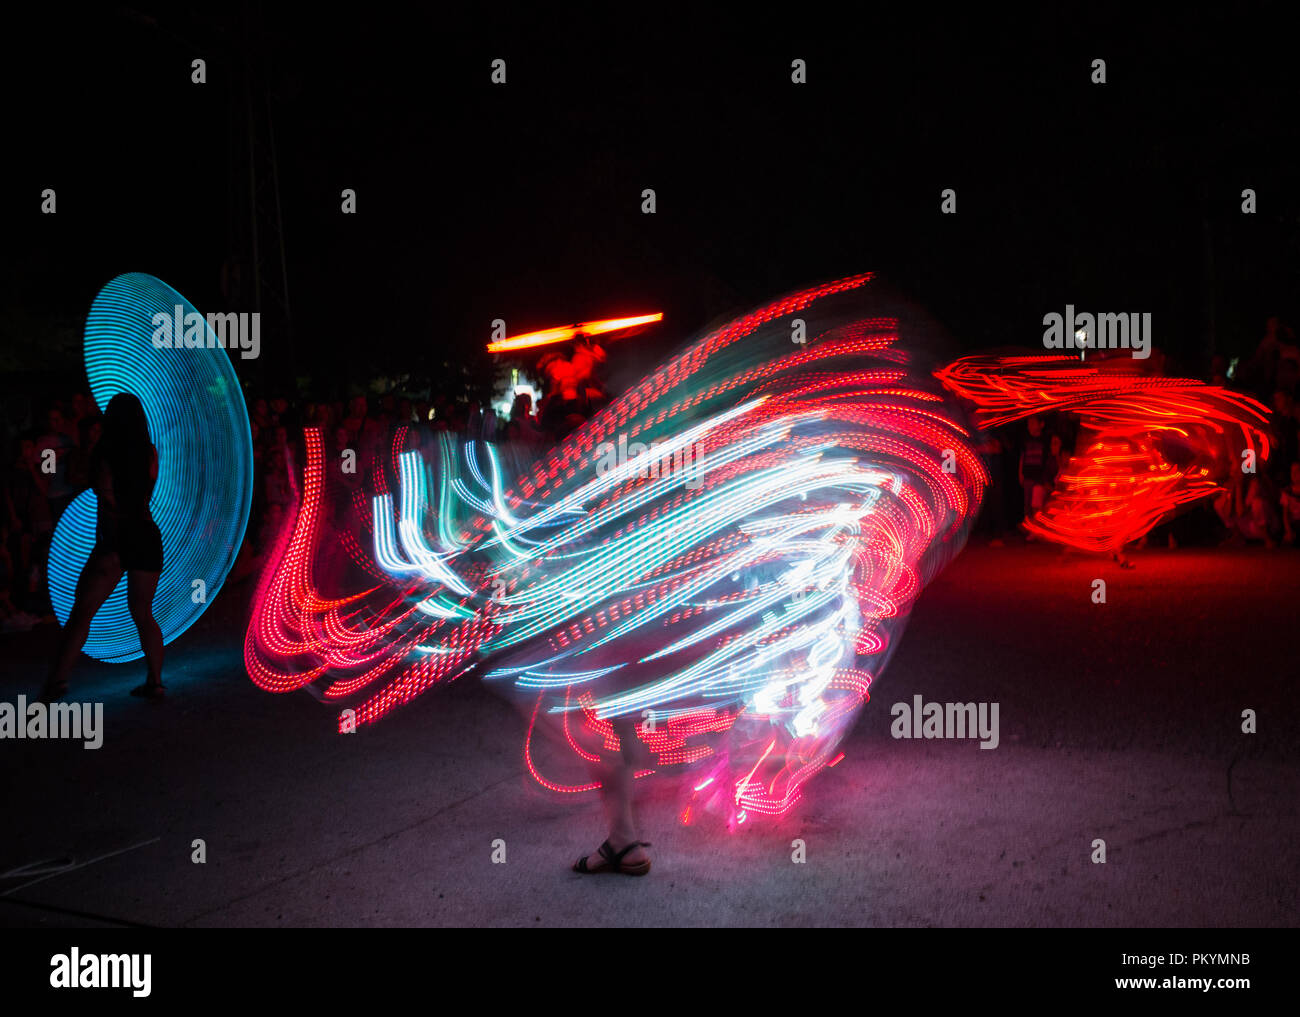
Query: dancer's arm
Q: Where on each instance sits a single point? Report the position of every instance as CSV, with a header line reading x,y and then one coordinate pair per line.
x,y
104,484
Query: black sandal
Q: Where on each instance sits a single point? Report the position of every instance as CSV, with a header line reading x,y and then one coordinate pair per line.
x,y
614,861
150,690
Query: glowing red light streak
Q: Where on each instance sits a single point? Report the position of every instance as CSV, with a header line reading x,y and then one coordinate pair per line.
x,y
563,333
1149,445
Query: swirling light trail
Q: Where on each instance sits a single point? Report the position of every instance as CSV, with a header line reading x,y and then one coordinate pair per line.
x,y
731,591
1150,444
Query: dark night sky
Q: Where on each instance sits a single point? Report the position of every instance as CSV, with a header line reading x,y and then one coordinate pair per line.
x,y
522,202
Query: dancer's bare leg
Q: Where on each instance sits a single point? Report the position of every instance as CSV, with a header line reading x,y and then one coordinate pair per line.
x,y
140,587
617,776
98,580
619,800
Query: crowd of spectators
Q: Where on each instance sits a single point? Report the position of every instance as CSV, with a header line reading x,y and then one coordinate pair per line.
x,y
47,458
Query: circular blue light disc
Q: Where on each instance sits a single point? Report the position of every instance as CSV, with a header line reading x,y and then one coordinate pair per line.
x,y
199,423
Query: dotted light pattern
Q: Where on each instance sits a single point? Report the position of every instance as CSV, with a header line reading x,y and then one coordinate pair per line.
x,y
1149,444
726,598
201,501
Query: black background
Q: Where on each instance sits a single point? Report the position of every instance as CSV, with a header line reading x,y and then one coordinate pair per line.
x,y
522,202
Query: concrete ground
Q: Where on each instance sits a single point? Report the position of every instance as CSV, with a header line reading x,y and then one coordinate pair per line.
x,y
1119,721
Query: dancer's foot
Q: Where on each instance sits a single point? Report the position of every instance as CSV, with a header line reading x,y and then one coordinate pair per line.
x,y
150,690
52,691
628,859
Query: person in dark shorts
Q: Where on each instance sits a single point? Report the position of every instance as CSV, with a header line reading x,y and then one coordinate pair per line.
x,y
123,470
1033,467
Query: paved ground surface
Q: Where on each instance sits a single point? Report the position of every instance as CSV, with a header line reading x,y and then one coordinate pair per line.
x,y
1118,721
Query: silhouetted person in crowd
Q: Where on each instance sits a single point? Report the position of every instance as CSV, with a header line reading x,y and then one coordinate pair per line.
x,y
57,445
1249,510
1289,503
523,426
1033,467
1285,437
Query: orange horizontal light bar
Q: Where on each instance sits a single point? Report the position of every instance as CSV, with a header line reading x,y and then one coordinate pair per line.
x,y
558,335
